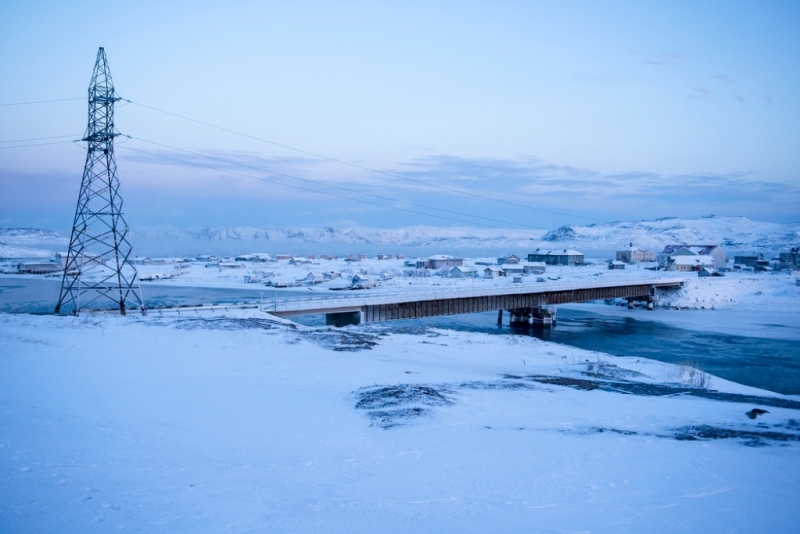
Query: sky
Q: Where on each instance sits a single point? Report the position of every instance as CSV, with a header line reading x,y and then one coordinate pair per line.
x,y
500,114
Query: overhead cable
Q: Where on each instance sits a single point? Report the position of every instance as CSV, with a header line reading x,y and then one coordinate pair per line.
x,y
355,165
350,190
302,188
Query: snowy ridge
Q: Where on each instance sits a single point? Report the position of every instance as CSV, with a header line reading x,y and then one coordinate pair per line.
x,y
733,233
410,236
30,243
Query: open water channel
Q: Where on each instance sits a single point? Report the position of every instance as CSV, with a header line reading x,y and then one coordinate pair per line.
x,y
772,364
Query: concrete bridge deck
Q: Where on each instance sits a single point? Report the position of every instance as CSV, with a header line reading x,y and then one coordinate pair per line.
x,y
419,304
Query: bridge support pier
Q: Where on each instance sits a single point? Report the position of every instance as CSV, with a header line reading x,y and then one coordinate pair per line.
x,y
649,302
343,319
540,316
500,317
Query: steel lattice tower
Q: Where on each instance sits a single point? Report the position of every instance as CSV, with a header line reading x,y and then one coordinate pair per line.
x,y
99,268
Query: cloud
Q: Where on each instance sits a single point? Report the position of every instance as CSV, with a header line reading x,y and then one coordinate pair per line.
x,y
585,192
701,93
725,79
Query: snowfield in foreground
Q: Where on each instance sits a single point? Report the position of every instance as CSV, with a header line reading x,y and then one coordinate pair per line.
x,y
244,423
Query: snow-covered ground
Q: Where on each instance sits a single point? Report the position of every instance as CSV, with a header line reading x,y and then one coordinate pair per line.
x,y
242,423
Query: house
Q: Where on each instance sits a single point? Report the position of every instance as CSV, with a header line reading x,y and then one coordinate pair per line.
x,y
314,278
534,267
756,261
617,264
508,259
713,251
635,255
39,267
790,260
387,275
689,263
441,261
283,257
557,257
513,269
462,272
362,281
257,257
708,271
493,272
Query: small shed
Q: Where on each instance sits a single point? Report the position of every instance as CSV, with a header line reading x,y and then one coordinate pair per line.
x,y
613,265
708,271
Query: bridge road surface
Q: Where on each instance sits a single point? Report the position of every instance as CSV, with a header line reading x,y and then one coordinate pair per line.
x,y
419,304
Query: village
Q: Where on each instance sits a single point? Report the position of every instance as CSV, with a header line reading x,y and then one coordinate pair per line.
x,y
395,271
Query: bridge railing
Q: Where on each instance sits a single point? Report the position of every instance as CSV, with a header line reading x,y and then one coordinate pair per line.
x,y
323,304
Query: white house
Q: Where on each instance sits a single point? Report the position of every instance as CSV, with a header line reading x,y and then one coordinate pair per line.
x,y
314,278
712,251
512,269
688,263
634,255
493,272
463,272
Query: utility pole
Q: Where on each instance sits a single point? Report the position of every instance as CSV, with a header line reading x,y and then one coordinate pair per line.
x,y
99,266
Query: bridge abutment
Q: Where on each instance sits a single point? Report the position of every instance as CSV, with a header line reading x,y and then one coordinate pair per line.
x,y
343,319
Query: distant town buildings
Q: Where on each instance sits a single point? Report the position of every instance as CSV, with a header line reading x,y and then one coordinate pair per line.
x,y
635,255
508,259
557,257
711,251
440,261
688,263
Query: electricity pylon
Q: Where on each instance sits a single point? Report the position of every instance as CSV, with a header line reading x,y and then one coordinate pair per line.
x,y
99,266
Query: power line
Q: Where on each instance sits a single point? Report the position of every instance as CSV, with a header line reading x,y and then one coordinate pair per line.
x,y
303,188
350,190
34,144
41,102
40,138
354,165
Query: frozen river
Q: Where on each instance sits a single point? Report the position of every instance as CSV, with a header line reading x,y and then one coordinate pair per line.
x,y
756,359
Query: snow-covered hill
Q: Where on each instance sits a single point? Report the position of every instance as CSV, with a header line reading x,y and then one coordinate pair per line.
x,y
733,233
30,243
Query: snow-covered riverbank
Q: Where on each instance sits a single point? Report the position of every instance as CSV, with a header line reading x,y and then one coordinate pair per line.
x,y
241,423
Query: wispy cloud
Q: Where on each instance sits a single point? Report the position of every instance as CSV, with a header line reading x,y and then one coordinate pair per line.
x,y
724,78
701,93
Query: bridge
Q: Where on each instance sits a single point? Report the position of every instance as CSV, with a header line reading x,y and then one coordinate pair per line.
x,y
525,303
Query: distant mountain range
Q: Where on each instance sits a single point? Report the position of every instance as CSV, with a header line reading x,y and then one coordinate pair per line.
x,y
733,233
